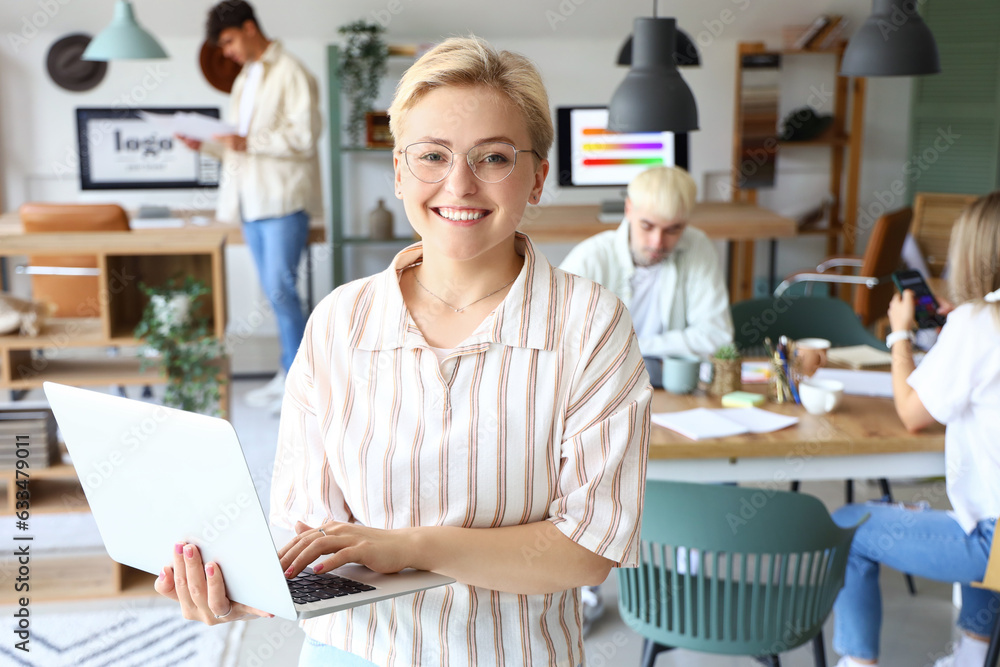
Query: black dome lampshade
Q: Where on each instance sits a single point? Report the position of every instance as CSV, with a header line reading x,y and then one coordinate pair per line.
x,y
653,97
685,53
893,41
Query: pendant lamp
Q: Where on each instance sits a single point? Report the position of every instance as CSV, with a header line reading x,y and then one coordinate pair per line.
x,y
124,39
685,53
653,97
893,41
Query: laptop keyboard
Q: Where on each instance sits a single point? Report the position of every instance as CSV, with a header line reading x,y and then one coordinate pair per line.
x,y
310,587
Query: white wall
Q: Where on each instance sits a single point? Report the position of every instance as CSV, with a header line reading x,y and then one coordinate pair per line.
x,y
37,127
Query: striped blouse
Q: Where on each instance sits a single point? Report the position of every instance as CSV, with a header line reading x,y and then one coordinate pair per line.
x,y
542,414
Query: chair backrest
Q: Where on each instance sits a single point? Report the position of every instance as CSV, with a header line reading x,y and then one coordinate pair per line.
x,y
934,214
882,256
72,296
733,570
797,317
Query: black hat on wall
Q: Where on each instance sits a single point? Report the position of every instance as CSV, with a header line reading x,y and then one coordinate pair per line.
x,y
66,67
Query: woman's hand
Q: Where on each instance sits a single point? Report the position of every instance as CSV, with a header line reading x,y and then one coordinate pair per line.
x,y
193,144
902,311
385,551
200,589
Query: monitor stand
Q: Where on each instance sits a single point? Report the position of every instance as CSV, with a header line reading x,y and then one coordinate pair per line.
x,y
612,210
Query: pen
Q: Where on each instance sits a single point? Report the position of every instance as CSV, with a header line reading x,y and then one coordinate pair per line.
x,y
783,354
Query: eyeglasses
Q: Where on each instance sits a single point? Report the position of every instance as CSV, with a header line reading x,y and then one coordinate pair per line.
x,y
491,161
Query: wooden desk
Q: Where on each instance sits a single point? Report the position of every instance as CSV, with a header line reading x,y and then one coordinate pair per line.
x,y
739,224
863,438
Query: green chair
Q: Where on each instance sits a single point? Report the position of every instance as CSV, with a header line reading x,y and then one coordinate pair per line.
x,y
798,317
733,570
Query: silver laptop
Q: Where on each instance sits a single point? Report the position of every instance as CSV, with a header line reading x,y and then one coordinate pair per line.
x,y
154,476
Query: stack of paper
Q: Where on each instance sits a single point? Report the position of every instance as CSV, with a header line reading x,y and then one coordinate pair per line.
x,y
702,423
859,383
859,356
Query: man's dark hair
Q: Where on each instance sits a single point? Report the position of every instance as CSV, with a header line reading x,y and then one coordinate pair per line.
x,y
228,14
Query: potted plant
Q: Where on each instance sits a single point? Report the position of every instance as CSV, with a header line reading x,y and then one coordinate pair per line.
x,y
178,340
727,365
362,66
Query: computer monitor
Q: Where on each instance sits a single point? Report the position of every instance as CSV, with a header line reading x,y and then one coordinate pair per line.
x,y
589,155
121,151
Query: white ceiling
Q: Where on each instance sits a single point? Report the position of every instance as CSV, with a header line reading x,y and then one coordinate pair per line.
x,y
427,20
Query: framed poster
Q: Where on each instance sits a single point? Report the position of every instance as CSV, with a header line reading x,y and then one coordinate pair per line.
x,y
121,151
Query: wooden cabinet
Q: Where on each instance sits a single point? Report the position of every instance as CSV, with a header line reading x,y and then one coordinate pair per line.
x,y
124,260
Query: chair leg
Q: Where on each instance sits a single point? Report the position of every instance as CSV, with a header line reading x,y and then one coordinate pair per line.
x,y
770,660
650,650
795,486
883,484
849,491
993,652
819,651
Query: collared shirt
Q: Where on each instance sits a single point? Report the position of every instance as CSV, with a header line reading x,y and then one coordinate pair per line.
x,y
278,174
693,311
542,414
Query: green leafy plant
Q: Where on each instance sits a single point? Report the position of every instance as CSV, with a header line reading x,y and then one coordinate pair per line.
x,y
184,349
362,66
727,352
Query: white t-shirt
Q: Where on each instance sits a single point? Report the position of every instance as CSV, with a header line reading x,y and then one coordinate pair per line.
x,y
254,75
959,384
645,306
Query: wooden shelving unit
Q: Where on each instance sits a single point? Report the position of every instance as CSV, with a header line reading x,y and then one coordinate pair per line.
x,y
125,260
843,138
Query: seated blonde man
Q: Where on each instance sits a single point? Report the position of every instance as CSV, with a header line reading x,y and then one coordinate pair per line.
x,y
667,272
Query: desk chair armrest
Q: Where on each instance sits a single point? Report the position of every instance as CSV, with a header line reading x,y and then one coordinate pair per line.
x,y
844,260
55,271
867,281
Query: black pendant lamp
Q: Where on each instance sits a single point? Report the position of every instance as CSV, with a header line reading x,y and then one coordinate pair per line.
x,y
653,97
685,53
893,41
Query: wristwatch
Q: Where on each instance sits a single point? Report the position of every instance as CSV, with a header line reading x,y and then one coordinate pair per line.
x,y
897,336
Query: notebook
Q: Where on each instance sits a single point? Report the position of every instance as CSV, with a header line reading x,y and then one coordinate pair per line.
x,y
154,476
859,356
704,423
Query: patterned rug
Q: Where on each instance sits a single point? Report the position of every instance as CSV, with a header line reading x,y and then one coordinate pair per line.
x,y
126,634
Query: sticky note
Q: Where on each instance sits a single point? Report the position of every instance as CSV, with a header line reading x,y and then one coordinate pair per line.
x,y
742,399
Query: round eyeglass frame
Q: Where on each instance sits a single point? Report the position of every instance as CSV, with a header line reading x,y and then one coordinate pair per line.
x,y
472,167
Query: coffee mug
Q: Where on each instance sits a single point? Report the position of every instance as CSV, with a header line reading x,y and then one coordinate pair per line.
x,y
810,354
820,396
680,373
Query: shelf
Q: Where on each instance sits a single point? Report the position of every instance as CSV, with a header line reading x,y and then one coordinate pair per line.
x,y
828,138
62,333
365,149
836,49
57,471
363,240
85,372
55,496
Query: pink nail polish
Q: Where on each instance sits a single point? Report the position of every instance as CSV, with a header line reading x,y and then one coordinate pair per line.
x,y
288,572
188,551
162,574
179,548
210,569
318,568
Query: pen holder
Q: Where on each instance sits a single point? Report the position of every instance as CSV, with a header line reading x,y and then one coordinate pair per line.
x,y
778,390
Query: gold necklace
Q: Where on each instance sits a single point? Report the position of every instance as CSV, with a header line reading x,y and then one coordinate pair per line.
x,y
457,310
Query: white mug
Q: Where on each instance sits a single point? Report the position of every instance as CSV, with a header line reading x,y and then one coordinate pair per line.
x,y
820,396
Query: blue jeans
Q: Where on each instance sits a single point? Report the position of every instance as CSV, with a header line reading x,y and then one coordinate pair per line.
x,y
318,654
277,245
926,543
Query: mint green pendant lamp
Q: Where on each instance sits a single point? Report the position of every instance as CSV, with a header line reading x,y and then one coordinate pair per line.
x,y
124,39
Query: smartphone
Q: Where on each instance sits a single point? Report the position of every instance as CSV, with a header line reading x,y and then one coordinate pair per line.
x,y
927,306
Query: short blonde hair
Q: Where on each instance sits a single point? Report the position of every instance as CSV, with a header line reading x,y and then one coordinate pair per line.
x,y
974,252
470,61
668,192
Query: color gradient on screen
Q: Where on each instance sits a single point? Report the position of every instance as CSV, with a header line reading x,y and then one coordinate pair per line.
x,y
603,162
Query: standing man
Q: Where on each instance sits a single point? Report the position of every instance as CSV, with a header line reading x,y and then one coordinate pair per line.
x,y
665,271
270,168
668,275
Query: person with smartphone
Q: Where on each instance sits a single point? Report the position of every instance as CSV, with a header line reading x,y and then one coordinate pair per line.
x,y
958,385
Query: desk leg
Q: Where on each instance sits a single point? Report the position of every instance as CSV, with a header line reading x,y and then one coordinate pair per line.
x,y
772,267
4,286
741,256
309,281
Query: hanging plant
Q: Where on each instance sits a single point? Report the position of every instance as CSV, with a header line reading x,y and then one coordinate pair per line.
x,y
362,66
181,345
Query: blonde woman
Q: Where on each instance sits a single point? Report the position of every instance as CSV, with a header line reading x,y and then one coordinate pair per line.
x,y
471,410
956,384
